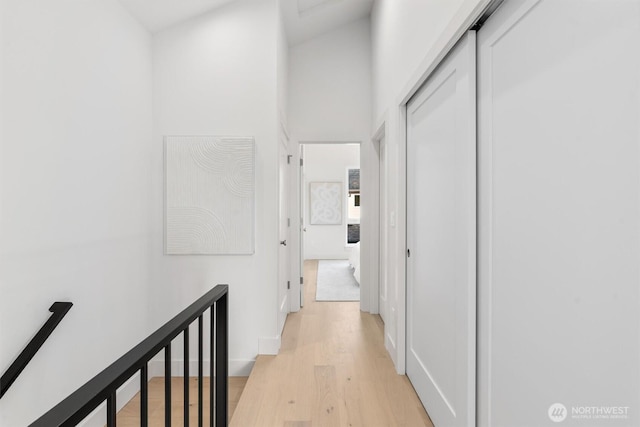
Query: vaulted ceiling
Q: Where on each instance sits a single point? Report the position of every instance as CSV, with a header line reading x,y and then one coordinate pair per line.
x,y
303,19
157,15
306,19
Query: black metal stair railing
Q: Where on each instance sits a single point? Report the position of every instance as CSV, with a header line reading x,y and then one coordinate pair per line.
x,y
58,310
103,387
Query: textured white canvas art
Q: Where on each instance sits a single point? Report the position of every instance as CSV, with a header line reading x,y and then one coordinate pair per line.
x,y
326,203
209,195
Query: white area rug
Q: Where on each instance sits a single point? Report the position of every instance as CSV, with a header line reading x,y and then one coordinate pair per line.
x,y
336,281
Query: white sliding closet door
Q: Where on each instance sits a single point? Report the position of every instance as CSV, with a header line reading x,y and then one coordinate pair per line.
x,y
441,237
559,214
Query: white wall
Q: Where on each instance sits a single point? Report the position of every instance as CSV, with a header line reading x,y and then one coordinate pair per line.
x,y
216,75
282,70
330,85
330,101
403,34
75,167
328,163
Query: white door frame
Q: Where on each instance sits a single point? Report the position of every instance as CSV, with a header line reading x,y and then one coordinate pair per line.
x,y
284,304
370,248
383,257
369,232
285,142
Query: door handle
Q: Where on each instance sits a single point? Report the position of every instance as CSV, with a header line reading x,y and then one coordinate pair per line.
x,y
283,243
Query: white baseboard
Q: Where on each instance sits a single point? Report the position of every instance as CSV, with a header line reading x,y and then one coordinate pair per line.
x,y
241,368
390,345
269,345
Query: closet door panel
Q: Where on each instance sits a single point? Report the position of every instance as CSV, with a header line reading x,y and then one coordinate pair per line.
x,y
559,213
441,236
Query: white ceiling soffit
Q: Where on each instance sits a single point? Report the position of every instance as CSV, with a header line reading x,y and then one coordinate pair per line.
x,y
308,5
157,15
306,19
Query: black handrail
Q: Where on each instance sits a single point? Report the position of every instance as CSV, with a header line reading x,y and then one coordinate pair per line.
x,y
59,310
103,386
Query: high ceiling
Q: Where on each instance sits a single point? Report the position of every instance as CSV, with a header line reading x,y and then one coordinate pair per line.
x,y
306,19
157,15
303,19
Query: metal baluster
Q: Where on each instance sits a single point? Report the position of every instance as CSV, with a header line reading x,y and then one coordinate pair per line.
x,y
211,371
200,368
186,377
144,396
222,339
167,385
111,410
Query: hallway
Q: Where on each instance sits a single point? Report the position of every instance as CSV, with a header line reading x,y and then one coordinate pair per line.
x,y
332,370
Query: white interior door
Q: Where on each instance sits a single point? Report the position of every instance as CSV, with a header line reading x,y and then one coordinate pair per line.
x,y
283,235
384,256
559,214
441,238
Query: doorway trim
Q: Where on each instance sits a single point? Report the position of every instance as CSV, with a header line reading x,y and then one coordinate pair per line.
x,y
367,281
384,262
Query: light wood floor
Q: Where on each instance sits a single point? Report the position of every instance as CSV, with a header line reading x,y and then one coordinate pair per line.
x,y
332,370
129,416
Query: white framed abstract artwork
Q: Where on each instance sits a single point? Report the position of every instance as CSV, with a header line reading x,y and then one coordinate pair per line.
x,y
325,199
209,195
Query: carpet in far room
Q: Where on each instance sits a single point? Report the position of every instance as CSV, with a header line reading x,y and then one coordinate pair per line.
x,y
336,281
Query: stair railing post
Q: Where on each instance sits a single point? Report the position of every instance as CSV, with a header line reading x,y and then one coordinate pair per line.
x,y
222,359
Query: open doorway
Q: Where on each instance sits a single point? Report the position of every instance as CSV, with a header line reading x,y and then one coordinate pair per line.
x,y
330,218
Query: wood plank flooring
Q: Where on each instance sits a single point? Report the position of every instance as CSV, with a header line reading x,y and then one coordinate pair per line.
x,y
129,416
332,370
